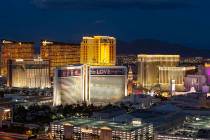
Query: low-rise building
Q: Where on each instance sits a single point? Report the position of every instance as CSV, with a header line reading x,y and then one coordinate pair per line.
x,y
175,74
5,116
89,129
193,128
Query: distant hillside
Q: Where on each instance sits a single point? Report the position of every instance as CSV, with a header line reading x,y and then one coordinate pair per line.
x,y
152,46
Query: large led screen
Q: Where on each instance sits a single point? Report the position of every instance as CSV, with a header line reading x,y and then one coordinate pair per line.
x,y
107,89
69,87
107,85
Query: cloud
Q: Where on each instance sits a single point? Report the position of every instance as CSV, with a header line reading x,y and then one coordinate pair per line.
x,y
113,4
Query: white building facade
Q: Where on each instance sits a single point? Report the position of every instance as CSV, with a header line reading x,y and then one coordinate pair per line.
x,y
98,85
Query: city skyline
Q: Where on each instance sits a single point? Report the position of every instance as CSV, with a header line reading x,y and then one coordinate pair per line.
x,y
104,69
175,21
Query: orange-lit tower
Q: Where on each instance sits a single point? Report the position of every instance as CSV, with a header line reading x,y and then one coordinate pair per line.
x,y
60,54
98,51
15,50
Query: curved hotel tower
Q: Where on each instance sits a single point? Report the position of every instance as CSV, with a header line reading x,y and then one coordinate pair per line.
x,y
148,67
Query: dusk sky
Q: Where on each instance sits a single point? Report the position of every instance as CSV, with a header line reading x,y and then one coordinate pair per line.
x,y
185,22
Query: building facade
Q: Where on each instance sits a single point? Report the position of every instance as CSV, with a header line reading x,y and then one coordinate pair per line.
x,y
195,81
168,74
30,73
130,61
93,84
106,84
60,54
5,116
89,129
14,50
98,51
69,85
148,67
207,72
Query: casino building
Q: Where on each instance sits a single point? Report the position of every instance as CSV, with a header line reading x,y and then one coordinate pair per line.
x,y
60,54
14,50
177,74
98,51
98,85
30,73
69,85
148,67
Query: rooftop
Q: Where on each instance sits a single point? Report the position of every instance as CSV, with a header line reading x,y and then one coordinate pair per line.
x,y
47,42
98,37
157,55
177,68
193,126
3,41
87,122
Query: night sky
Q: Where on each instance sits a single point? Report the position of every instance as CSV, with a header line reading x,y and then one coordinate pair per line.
x,y
186,22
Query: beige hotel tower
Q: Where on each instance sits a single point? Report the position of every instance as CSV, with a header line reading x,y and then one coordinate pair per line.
x,y
148,67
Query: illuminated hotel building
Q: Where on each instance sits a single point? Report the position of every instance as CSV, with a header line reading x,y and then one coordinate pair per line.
x,y
106,84
98,85
148,67
69,85
90,129
60,54
30,73
207,72
167,74
98,51
15,50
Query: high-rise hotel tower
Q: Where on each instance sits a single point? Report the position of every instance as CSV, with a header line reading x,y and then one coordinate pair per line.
x,y
98,51
60,54
148,67
14,50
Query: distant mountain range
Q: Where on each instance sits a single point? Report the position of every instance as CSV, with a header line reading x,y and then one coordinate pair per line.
x,y
151,46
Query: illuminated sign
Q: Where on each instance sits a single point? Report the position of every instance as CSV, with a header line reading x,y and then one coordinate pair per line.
x,y
107,71
69,72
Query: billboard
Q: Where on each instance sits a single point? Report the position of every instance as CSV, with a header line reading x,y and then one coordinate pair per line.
x,y
107,71
94,84
68,86
71,90
69,72
107,85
